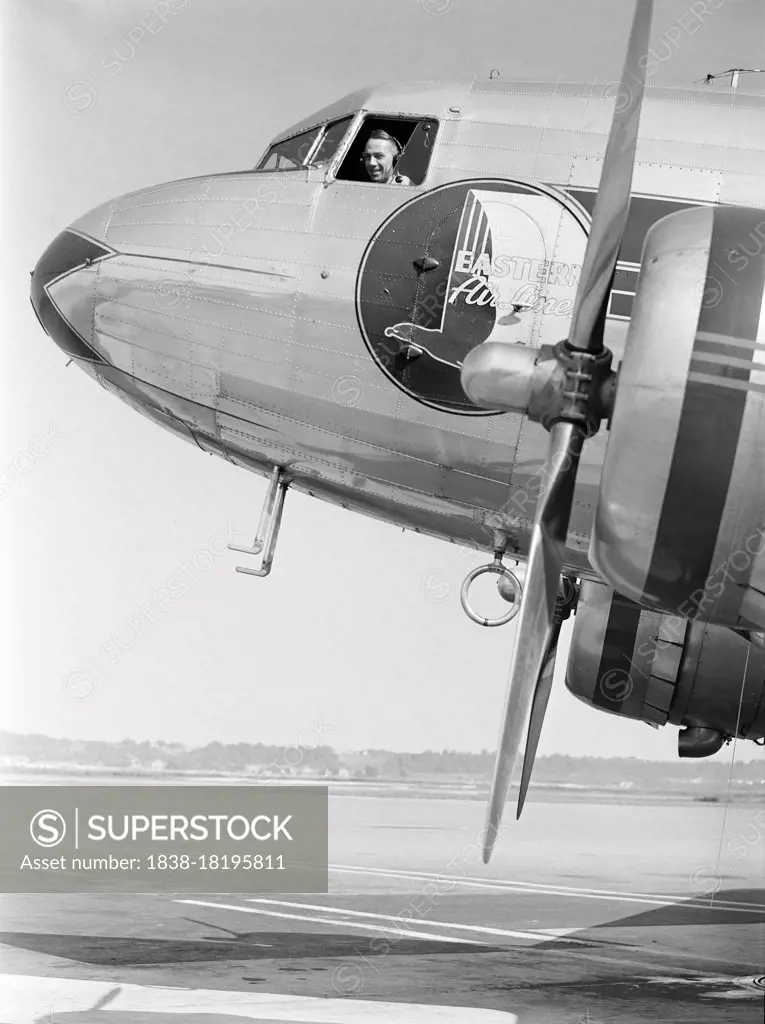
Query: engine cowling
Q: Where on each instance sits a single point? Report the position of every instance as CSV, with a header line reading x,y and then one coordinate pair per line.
x,y
662,668
680,520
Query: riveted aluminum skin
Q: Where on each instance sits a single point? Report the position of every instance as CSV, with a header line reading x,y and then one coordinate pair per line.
x,y
226,310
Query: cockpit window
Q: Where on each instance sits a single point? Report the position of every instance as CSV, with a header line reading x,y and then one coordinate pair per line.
x,y
333,135
411,145
290,153
317,146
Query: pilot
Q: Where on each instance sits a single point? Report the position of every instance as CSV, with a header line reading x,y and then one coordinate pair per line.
x,y
381,154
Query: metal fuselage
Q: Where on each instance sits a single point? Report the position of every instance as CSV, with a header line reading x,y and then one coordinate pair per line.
x,y
230,308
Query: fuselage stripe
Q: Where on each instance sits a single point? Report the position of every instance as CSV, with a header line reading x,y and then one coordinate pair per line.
x,y
611,686
719,382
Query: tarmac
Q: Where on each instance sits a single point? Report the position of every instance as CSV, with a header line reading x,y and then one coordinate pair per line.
x,y
587,914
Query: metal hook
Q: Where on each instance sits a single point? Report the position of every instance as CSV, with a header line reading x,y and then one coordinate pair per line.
x,y
498,569
268,526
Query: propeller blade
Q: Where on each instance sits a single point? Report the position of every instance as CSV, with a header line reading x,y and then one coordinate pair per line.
x,y
609,218
536,621
537,716
531,669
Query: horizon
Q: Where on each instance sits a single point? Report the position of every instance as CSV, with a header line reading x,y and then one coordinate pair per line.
x,y
371,750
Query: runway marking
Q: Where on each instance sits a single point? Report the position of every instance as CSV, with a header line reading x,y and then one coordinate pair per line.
x,y
331,921
540,935
29,999
540,889
544,934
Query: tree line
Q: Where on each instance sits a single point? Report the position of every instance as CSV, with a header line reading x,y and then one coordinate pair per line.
x,y
273,759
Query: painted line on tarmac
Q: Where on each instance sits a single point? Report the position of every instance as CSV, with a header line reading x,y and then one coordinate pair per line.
x,y
540,889
505,933
30,999
313,919
573,947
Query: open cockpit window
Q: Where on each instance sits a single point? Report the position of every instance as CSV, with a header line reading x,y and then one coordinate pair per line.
x,y
408,141
309,149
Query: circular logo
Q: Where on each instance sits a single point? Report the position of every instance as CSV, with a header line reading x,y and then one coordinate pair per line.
x,y
438,585
47,828
169,293
705,881
473,261
348,979
348,391
79,96
79,684
615,685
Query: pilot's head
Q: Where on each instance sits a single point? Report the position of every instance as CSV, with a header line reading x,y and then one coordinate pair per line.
x,y
380,156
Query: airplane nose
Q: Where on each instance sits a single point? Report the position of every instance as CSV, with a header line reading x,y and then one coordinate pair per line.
x,y
58,271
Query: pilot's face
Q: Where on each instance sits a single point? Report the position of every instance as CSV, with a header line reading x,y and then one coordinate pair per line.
x,y
379,155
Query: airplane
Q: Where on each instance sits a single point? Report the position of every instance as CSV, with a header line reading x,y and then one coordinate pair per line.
x,y
548,343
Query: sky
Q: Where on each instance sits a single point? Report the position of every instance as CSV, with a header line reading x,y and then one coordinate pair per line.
x,y
357,636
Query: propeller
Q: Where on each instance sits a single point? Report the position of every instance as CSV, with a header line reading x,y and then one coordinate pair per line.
x,y
564,605
570,412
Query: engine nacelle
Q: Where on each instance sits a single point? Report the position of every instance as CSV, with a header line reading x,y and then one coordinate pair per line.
x,y
662,669
680,520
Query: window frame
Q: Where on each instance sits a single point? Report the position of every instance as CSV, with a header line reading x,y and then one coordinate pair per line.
x,y
321,130
351,118
361,116
273,145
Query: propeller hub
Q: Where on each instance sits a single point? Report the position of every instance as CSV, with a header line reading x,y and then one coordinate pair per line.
x,y
496,375
573,392
548,384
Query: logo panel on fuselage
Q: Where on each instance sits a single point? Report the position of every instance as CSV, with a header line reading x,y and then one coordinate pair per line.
x,y
466,263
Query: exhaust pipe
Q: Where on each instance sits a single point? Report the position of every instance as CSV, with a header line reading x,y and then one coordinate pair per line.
x,y
699,741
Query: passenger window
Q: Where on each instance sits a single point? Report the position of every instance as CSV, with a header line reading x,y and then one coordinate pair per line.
x,y
289,154
416,139
333,136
